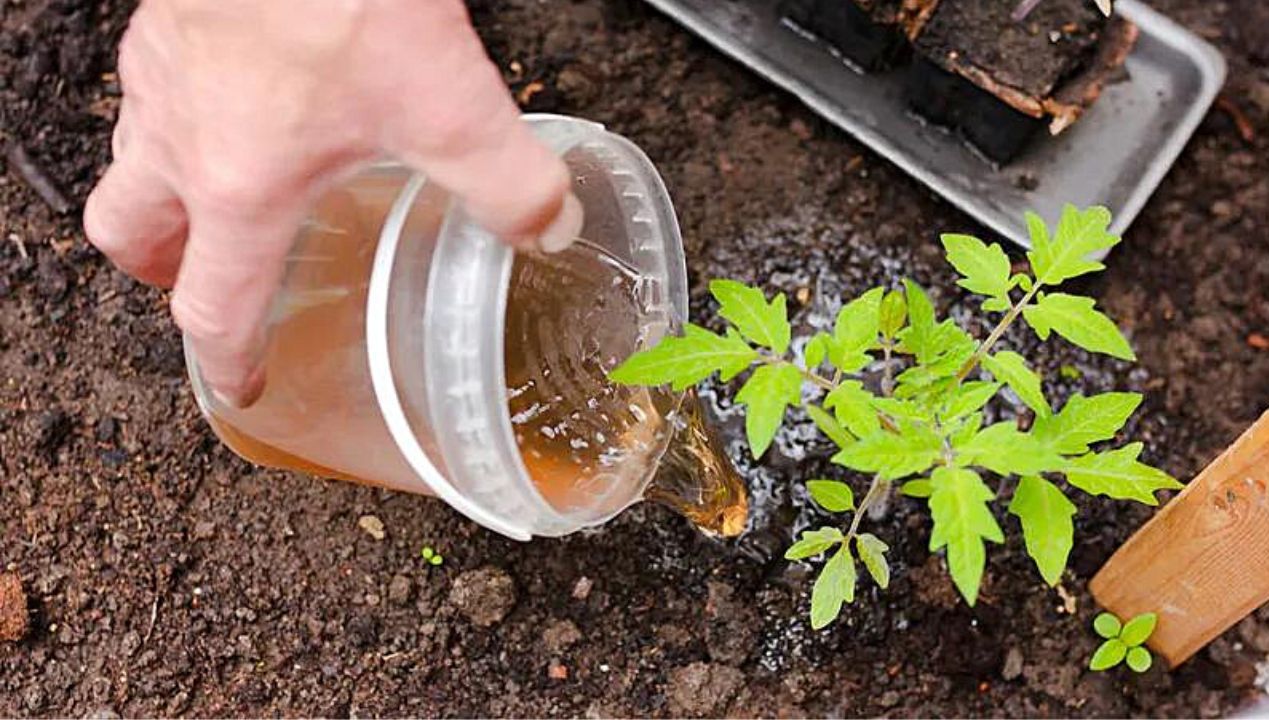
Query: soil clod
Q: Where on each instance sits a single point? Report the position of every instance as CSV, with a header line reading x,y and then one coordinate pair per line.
x,y
484,596
702,688
14,620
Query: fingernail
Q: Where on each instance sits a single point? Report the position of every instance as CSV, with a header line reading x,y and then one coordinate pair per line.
x,y
248,393
565,228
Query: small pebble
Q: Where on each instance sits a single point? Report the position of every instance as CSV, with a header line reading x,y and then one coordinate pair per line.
x,y
372,526
556,671
581,590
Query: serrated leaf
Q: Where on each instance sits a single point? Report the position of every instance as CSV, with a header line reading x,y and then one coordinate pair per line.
x,y
894,313
984,268
1137,630
1119,475
997,304
1138,659
1107,625
1079,234
852,405
962,521
813,543
919,488
767,393
919,337
966,431
1003,450
1047,527
834,586
1074,318
1010,368
968,398
832,495
829,425
1085,420
872,552
687,360
858,322
901,409
1108,655
761,322
892,455
816,350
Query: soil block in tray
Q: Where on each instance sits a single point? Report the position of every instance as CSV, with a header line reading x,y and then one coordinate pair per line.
x,y
998,80
872,34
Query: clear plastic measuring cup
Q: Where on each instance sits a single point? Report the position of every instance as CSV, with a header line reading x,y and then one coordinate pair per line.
x,y
388,359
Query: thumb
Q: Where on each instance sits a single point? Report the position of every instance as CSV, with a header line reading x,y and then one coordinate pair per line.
x,y
455,120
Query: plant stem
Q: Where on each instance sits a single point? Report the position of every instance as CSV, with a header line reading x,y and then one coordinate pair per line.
x,y
876,492
887,382
822,382
1005,322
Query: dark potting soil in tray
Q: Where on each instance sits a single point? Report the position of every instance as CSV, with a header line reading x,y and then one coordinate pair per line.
x,y
166,577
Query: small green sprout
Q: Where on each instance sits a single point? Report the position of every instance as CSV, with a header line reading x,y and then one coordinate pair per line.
x,y
1123,642
1070,372
431,556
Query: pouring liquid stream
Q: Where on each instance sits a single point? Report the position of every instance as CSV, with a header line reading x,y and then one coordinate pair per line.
x,y
571,318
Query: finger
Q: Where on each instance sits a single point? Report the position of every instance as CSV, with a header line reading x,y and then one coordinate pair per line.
x,y
137,221
468,137
232,267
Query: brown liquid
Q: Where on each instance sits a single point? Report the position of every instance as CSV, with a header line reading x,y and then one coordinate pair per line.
x,y
571,318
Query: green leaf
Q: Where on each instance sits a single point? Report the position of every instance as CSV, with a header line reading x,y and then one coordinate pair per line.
x,y
872,551
969,427
1047,527
997,304
816,350
813,542
858,322
1003,450
892,455
767,393
1010,368
920,337
685,361
1108,655
1139,659
968,398
1137,630
832,495
985,268
829,425
852,405
834,586
901,409
962,520
894,313
1107,625
1084,421
1117,474
919,488
1079,234
763,323
1074,318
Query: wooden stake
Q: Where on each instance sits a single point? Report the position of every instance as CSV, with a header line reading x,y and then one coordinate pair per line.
x,y
1202,563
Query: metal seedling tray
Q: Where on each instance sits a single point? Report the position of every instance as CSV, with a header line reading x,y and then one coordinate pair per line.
x,y
1114,156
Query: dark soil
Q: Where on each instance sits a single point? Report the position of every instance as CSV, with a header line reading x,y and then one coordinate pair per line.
x,y
167,577
1031,56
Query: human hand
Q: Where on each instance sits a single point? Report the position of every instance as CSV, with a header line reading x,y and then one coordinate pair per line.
x,y
237,114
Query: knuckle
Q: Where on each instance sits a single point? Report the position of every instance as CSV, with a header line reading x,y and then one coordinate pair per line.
x,y
202,320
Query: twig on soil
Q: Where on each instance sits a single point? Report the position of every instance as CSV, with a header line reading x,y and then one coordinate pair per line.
x,y
1246,130
154,615
21,246
38,180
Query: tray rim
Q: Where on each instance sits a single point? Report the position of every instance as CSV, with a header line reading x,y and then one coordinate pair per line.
x,y
1205,58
